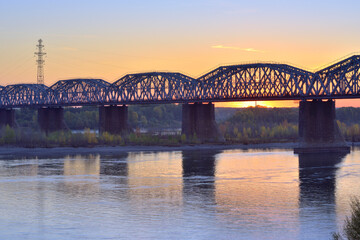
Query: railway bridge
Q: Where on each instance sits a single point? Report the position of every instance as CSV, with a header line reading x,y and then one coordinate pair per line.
x,y
316,91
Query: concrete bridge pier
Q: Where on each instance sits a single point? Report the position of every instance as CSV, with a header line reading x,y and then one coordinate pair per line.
x,y
318,130
113,119
199,119
7,117
51,119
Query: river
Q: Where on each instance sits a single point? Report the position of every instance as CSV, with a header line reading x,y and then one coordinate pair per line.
x,y
219,194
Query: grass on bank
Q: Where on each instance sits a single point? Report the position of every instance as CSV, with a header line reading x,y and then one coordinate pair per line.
x,y
35,138
233,134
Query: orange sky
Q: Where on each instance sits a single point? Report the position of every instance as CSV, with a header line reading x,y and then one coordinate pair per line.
x,y
108,39
282,104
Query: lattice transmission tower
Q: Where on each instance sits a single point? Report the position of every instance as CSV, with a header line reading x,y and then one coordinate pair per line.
x,y
40,62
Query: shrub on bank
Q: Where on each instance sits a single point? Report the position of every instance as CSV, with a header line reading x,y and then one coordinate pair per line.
x,y
8,135
151,139
29,137
110,139
351,228
90,137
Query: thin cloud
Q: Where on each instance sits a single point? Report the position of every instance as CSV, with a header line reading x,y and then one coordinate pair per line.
x,y
236,48
251,50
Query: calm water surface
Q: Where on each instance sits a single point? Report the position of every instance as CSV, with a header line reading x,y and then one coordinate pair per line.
x,y
232,194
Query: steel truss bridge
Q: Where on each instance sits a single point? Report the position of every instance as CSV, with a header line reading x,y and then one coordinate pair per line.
x,y
246,82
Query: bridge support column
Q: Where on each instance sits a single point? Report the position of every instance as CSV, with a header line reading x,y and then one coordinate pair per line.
x,y
51,119
7,117
113,119
199,119
318,130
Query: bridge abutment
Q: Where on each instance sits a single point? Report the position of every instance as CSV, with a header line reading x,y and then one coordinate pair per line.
x,y
7,117
318,130
51,119
199,120
113,119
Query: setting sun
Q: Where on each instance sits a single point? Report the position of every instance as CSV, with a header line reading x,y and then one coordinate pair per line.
x,y
268,104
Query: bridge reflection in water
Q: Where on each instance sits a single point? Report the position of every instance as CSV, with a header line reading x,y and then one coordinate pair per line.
x,y
198,172
317,175
223,193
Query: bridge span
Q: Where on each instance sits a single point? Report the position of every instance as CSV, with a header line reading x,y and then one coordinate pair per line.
x,y
245,82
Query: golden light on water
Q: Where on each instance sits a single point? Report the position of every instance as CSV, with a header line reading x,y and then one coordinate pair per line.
x,y
147,173
81,174
252,177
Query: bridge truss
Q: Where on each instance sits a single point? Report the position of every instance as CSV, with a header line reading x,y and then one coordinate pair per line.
x,y
154,87
253,82
258,81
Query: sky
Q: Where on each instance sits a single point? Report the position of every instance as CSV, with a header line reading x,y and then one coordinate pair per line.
x,y
110,38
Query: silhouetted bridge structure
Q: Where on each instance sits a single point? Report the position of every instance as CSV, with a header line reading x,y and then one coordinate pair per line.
x,y
246,82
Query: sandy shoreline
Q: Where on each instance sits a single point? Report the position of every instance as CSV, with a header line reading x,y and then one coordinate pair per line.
x,y
11,152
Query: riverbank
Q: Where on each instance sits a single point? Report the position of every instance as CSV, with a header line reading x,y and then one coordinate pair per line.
x,y
11,152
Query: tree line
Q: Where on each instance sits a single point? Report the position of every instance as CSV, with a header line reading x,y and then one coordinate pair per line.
x,y
246,125
79,118
259,124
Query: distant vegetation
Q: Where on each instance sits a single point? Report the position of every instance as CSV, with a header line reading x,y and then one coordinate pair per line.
x,y
246,125
81,118
155,117
257,125
254,125
140,116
